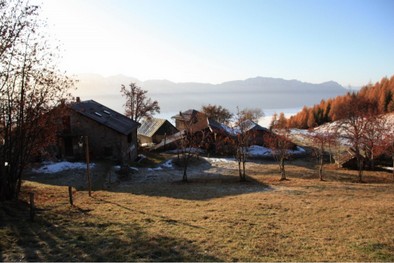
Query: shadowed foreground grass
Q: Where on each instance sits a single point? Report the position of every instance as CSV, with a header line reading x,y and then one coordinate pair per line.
x,y
298,220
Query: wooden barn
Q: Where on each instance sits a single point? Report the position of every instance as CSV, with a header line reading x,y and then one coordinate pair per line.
x,y
217,135
111,135
255,132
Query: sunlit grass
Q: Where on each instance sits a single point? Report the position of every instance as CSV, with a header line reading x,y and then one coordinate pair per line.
x,y
213,220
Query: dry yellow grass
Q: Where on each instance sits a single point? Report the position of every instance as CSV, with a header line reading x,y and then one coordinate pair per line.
x,y
212,218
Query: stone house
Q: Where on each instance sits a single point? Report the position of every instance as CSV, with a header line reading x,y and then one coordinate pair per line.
x,y
111,135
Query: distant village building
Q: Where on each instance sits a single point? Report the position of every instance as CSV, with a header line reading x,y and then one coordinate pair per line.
x,y
217,135
110,134
154,130
255,132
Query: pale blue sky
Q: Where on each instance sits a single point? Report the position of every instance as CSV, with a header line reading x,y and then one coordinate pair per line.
x,y
349,41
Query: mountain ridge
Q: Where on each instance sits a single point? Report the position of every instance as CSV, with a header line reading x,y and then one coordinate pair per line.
x,y
262,92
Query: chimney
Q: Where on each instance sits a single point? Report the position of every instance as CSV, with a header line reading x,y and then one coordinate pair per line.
x,y
78,99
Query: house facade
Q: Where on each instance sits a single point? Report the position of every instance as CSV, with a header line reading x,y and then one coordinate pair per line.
x,y
255,132
110,134
217,136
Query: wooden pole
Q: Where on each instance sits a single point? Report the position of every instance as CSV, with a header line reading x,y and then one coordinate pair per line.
x,y
70,195
32,208
88,165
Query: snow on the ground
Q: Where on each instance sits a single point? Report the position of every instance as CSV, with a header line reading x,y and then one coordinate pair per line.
x,y
259,151
61,166
159,168
191,150
218,160
300,132
299,150
168,164
254,151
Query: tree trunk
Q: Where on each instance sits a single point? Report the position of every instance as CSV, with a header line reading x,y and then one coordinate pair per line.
x,y
282,169
392,157
243,171
185,164
321,168
184,178
372,162
360,169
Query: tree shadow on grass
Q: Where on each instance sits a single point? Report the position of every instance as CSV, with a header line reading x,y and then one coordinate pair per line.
x,y
76,178
74,236
205,181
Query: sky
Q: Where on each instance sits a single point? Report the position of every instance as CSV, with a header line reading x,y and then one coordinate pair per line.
x,y
213,41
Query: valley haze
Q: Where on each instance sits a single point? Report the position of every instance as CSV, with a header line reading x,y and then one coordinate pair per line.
x,y
269,94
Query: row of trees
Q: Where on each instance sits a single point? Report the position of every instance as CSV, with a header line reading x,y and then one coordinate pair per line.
x,y
30,87
379,95
357,118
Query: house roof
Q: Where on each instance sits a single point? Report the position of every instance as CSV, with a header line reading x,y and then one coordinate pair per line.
x,y
105,116
249,125
186,115
150,126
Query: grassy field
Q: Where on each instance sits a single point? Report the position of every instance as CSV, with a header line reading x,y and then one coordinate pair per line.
x,y
214,217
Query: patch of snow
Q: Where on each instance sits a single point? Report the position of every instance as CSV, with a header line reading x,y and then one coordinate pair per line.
x,y
299,132
299,150
259,151
60,166
155,169
192,150
133,168
218,160
168,164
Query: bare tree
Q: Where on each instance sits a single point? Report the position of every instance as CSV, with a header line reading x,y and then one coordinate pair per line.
x,y
353,123
241,143
376,132
218,113
389,148
242,139
321,141
189,143
138,105
30,87
280,145
253,114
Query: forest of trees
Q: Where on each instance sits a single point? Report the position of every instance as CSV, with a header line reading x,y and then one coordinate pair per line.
x,y
378,97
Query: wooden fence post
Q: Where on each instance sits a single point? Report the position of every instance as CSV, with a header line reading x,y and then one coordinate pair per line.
x,y
88,165
70,195
32,208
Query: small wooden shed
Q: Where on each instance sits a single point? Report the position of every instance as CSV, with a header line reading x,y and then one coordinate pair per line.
x,y
154,130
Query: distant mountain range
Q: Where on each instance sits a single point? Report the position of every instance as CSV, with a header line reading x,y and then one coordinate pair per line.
x,y
262,92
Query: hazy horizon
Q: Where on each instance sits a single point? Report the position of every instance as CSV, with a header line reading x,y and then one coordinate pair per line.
x,y
220,40
269,94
